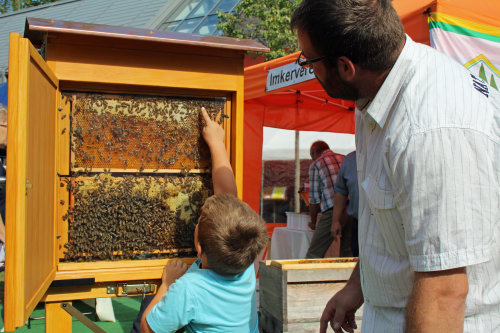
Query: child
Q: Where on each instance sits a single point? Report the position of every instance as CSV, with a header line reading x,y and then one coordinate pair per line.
x,y
217,293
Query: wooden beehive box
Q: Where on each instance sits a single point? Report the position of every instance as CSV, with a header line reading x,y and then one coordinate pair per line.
x,y
293,293
104,121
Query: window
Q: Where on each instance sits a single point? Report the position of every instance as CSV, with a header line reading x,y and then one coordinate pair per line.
x,y
197,16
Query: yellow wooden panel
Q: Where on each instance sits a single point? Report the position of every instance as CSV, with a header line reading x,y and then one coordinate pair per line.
x,y
62,215
63,131
119,264
41,174
15,198
86,63
31,262
237,125
113,74
113,275
315,263
57,319
123,270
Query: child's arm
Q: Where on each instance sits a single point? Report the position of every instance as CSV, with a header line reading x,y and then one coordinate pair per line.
x,y
173,270
222,172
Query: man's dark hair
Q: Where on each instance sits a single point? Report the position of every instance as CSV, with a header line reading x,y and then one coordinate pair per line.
x,y
318,147
368,32
231,234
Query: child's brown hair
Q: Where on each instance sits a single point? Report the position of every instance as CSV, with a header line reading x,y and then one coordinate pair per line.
x,y
230,233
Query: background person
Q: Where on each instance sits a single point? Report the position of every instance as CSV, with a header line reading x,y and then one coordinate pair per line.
x,y
322,176
346,192
427,152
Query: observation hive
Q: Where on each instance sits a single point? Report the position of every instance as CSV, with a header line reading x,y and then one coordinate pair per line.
x,y
107,166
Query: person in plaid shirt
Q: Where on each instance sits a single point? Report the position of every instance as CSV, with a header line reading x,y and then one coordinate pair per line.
x,y
322,177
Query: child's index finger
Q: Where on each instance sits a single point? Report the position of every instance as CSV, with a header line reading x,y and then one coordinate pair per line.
x,y
205,115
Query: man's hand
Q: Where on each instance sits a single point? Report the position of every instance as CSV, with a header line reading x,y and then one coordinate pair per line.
x,y
173,270
212,132
341,308
336,230
311,225
314,211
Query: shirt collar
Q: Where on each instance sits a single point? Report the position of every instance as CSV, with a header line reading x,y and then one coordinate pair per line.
x,y
325,152
380,106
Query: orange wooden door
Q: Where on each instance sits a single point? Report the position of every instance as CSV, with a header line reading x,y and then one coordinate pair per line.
x,y
31,181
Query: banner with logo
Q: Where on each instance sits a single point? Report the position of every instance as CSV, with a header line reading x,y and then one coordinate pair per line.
x,y
474,45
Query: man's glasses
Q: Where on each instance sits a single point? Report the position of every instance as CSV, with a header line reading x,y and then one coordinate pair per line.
x,y
303,62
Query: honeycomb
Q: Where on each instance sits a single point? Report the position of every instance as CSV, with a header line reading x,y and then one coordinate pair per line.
x,y
140,132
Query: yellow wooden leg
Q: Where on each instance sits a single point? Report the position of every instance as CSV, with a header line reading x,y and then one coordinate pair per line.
x,y
57,319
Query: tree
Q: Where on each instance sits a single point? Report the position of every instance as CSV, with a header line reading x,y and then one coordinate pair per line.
x,y
13,5
266,21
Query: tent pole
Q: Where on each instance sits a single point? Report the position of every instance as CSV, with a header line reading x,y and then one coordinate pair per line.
x,y
261,210
296,195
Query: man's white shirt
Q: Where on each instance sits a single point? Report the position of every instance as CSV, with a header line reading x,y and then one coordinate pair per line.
x,y
428,159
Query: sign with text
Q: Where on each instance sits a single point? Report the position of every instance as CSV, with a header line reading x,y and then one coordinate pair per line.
x,y
287,75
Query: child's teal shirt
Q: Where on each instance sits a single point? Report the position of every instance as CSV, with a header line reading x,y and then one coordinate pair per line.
x,y
205,301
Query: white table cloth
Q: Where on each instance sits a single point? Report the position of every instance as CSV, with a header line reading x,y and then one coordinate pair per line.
x,y
290,243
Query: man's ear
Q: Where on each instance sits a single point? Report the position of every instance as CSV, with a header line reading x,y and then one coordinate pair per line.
x,y
346,68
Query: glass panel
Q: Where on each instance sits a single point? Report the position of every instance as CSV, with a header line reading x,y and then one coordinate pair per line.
x,y
208,26
189,25
139,176
132,132
204,8
130,217
186,11
169,26
217,33
226,5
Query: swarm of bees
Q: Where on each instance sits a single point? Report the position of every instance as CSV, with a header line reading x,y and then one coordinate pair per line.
x,y
152,211
134,217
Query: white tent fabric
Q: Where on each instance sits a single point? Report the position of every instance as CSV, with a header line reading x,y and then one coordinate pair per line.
x,y
279,144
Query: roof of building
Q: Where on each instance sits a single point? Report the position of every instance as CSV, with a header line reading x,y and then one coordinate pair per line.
x,y
131,13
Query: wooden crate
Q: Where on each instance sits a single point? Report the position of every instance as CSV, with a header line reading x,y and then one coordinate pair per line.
x,y
293,293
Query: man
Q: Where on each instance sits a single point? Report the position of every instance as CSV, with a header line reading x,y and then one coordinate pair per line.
x,y
322,176
428,155
346,192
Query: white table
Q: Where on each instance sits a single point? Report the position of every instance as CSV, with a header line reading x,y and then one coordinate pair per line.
x,y
290,243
